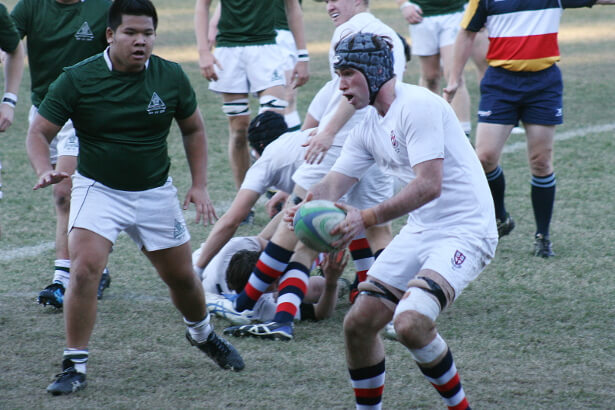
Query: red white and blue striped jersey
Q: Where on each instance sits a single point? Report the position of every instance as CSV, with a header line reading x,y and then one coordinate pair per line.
x,y
522,33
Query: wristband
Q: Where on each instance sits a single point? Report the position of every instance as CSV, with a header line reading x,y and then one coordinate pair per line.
x,y
9,99
404,5
302,55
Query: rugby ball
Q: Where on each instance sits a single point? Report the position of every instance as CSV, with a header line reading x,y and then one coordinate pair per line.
x,y
313,222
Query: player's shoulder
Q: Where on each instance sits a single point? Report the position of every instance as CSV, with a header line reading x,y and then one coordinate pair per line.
x,y
165,65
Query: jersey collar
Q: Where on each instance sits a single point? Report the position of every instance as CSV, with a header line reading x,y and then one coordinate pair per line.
x,y
108,60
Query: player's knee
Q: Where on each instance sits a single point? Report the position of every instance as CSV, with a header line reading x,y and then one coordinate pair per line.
x,y
541,164
61,195
236,107
415,316
271,102
488,159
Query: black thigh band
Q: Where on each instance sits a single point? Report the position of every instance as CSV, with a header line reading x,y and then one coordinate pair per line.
x,y
435,290
386,294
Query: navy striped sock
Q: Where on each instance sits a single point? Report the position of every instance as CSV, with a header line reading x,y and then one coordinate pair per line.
x,y
543,198
270,266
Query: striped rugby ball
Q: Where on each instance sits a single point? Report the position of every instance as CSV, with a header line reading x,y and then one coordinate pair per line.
x,y
313,222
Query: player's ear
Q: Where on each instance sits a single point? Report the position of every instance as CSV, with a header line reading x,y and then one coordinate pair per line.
x,y
109,33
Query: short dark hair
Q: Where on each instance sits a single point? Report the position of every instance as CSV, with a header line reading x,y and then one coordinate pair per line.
x,y
132,8
240,268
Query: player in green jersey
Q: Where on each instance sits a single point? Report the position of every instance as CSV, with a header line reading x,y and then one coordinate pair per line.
x,y
13,68
122,103
60,33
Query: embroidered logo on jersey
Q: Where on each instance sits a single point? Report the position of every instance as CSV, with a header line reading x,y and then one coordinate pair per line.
x,y
484,113
458,259
84,33
180,229
156,105
394,142
276,76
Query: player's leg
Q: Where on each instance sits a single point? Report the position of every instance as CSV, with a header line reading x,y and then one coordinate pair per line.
x,y
430,72
89,252
372,310
479,54
540,154
237,109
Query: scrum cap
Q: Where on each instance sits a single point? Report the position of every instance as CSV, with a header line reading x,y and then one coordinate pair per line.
x,y
369,53
265,128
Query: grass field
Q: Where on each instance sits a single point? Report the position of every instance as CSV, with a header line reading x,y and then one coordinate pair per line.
x,y
527,334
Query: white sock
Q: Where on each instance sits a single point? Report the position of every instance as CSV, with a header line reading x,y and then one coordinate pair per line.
x,y
199,331
292,119
62,272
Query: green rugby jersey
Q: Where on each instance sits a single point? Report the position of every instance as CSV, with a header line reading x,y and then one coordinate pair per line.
x,y
59,35
122,119
9,38
280,22
246,23
437,7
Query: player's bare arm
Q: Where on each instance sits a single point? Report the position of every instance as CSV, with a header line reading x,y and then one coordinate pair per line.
x,y
332,267
424,188
294,15
40,134
411,12
462,52
320,142
201,31
13,71
195,145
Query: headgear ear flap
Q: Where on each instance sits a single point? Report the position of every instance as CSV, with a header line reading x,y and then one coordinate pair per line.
x,y
369,53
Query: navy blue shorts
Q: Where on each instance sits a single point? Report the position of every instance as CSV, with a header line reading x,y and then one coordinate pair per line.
x,y
532,97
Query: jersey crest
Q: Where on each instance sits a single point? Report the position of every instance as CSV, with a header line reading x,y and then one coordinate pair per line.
x,y
458,259
84,33
156,105
394,141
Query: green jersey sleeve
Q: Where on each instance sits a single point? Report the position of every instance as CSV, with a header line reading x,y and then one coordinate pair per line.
x,y
9,37
57,107
187,97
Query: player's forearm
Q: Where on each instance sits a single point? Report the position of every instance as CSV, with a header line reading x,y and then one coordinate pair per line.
x,y
37,148
326,304
195,146
294,16
462,51
13,70
343,113
201,25
332,187
221,233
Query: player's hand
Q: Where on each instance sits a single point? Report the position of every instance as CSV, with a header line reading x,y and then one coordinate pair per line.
x,y
275,203
333,265
204,208
49,178
7,114
413,14
290,211
207,61
317,146
448,93
300,74
350,227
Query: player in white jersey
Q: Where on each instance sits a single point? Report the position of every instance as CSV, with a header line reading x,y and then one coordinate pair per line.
x,y
451,232
228,272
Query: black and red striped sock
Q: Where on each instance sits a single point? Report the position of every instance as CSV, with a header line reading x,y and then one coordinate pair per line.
x,y
445,378
291,291
368,385
363,259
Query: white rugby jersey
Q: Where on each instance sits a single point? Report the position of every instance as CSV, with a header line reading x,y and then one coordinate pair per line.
x,y
277,164
421,126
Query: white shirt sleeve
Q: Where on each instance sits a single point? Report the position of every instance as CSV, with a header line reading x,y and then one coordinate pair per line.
x,y
214,275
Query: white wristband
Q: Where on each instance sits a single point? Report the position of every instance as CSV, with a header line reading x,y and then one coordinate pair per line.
x,y
9,99
302,55
406,4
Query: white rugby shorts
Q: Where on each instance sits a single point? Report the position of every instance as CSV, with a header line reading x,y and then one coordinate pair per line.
x,y
286,41
434,32
248,69
374,188
459,259
65,142
152,218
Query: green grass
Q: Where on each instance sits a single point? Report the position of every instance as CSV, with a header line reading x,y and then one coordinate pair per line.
x,y
528,333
